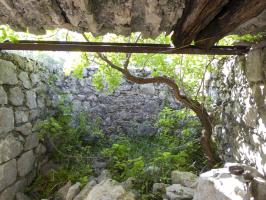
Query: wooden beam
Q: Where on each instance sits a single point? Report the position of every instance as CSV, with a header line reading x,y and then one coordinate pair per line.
x,y
120,48
196,16
235,13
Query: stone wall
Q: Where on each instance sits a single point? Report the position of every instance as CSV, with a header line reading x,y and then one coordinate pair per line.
x,y
131,109
22,103
239,93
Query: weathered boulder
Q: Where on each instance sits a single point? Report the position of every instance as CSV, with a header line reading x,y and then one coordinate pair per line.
x,y
228,184
109,190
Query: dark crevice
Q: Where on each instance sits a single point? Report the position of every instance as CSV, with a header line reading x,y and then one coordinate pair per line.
x,y
63,13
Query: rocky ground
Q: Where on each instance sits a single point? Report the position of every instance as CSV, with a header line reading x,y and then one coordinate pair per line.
x,y
232,182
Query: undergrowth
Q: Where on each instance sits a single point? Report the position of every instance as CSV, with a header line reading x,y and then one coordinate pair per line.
x,y
148,159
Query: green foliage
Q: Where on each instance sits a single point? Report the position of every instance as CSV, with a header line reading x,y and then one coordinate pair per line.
x,y
231,39
70,151
46,185
151,159
187,70
78,72
147,159
170,120
7,34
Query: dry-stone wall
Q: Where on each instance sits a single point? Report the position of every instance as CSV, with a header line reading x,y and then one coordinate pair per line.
x,y
239,91
29,91
22,103
131,109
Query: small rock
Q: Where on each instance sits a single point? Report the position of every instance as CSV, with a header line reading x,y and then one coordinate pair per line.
x,y
178,192
73,191
159,188
186,179
62,192
109,190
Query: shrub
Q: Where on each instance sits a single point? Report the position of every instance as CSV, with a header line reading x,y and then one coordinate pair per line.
x,y
148,159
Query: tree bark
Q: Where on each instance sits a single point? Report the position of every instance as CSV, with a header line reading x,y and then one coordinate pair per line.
x,y
233,15
201,112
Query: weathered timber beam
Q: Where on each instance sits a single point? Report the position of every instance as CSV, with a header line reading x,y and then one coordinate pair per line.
x,y
196,16
235,13
120,48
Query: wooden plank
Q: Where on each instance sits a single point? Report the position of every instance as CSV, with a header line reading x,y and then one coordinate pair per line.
x,y
235,13
196,16
120,48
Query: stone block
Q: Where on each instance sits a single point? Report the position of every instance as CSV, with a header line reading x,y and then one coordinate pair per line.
x,y
16,96
8,194
8,174
8,73
31,99
31,142
35,79
25,129
6,120
21,116
254,66
20,185
10,147
23,76
25,163
3,96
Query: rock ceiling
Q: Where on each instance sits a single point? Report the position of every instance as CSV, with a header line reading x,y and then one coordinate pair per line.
x,y
190,19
